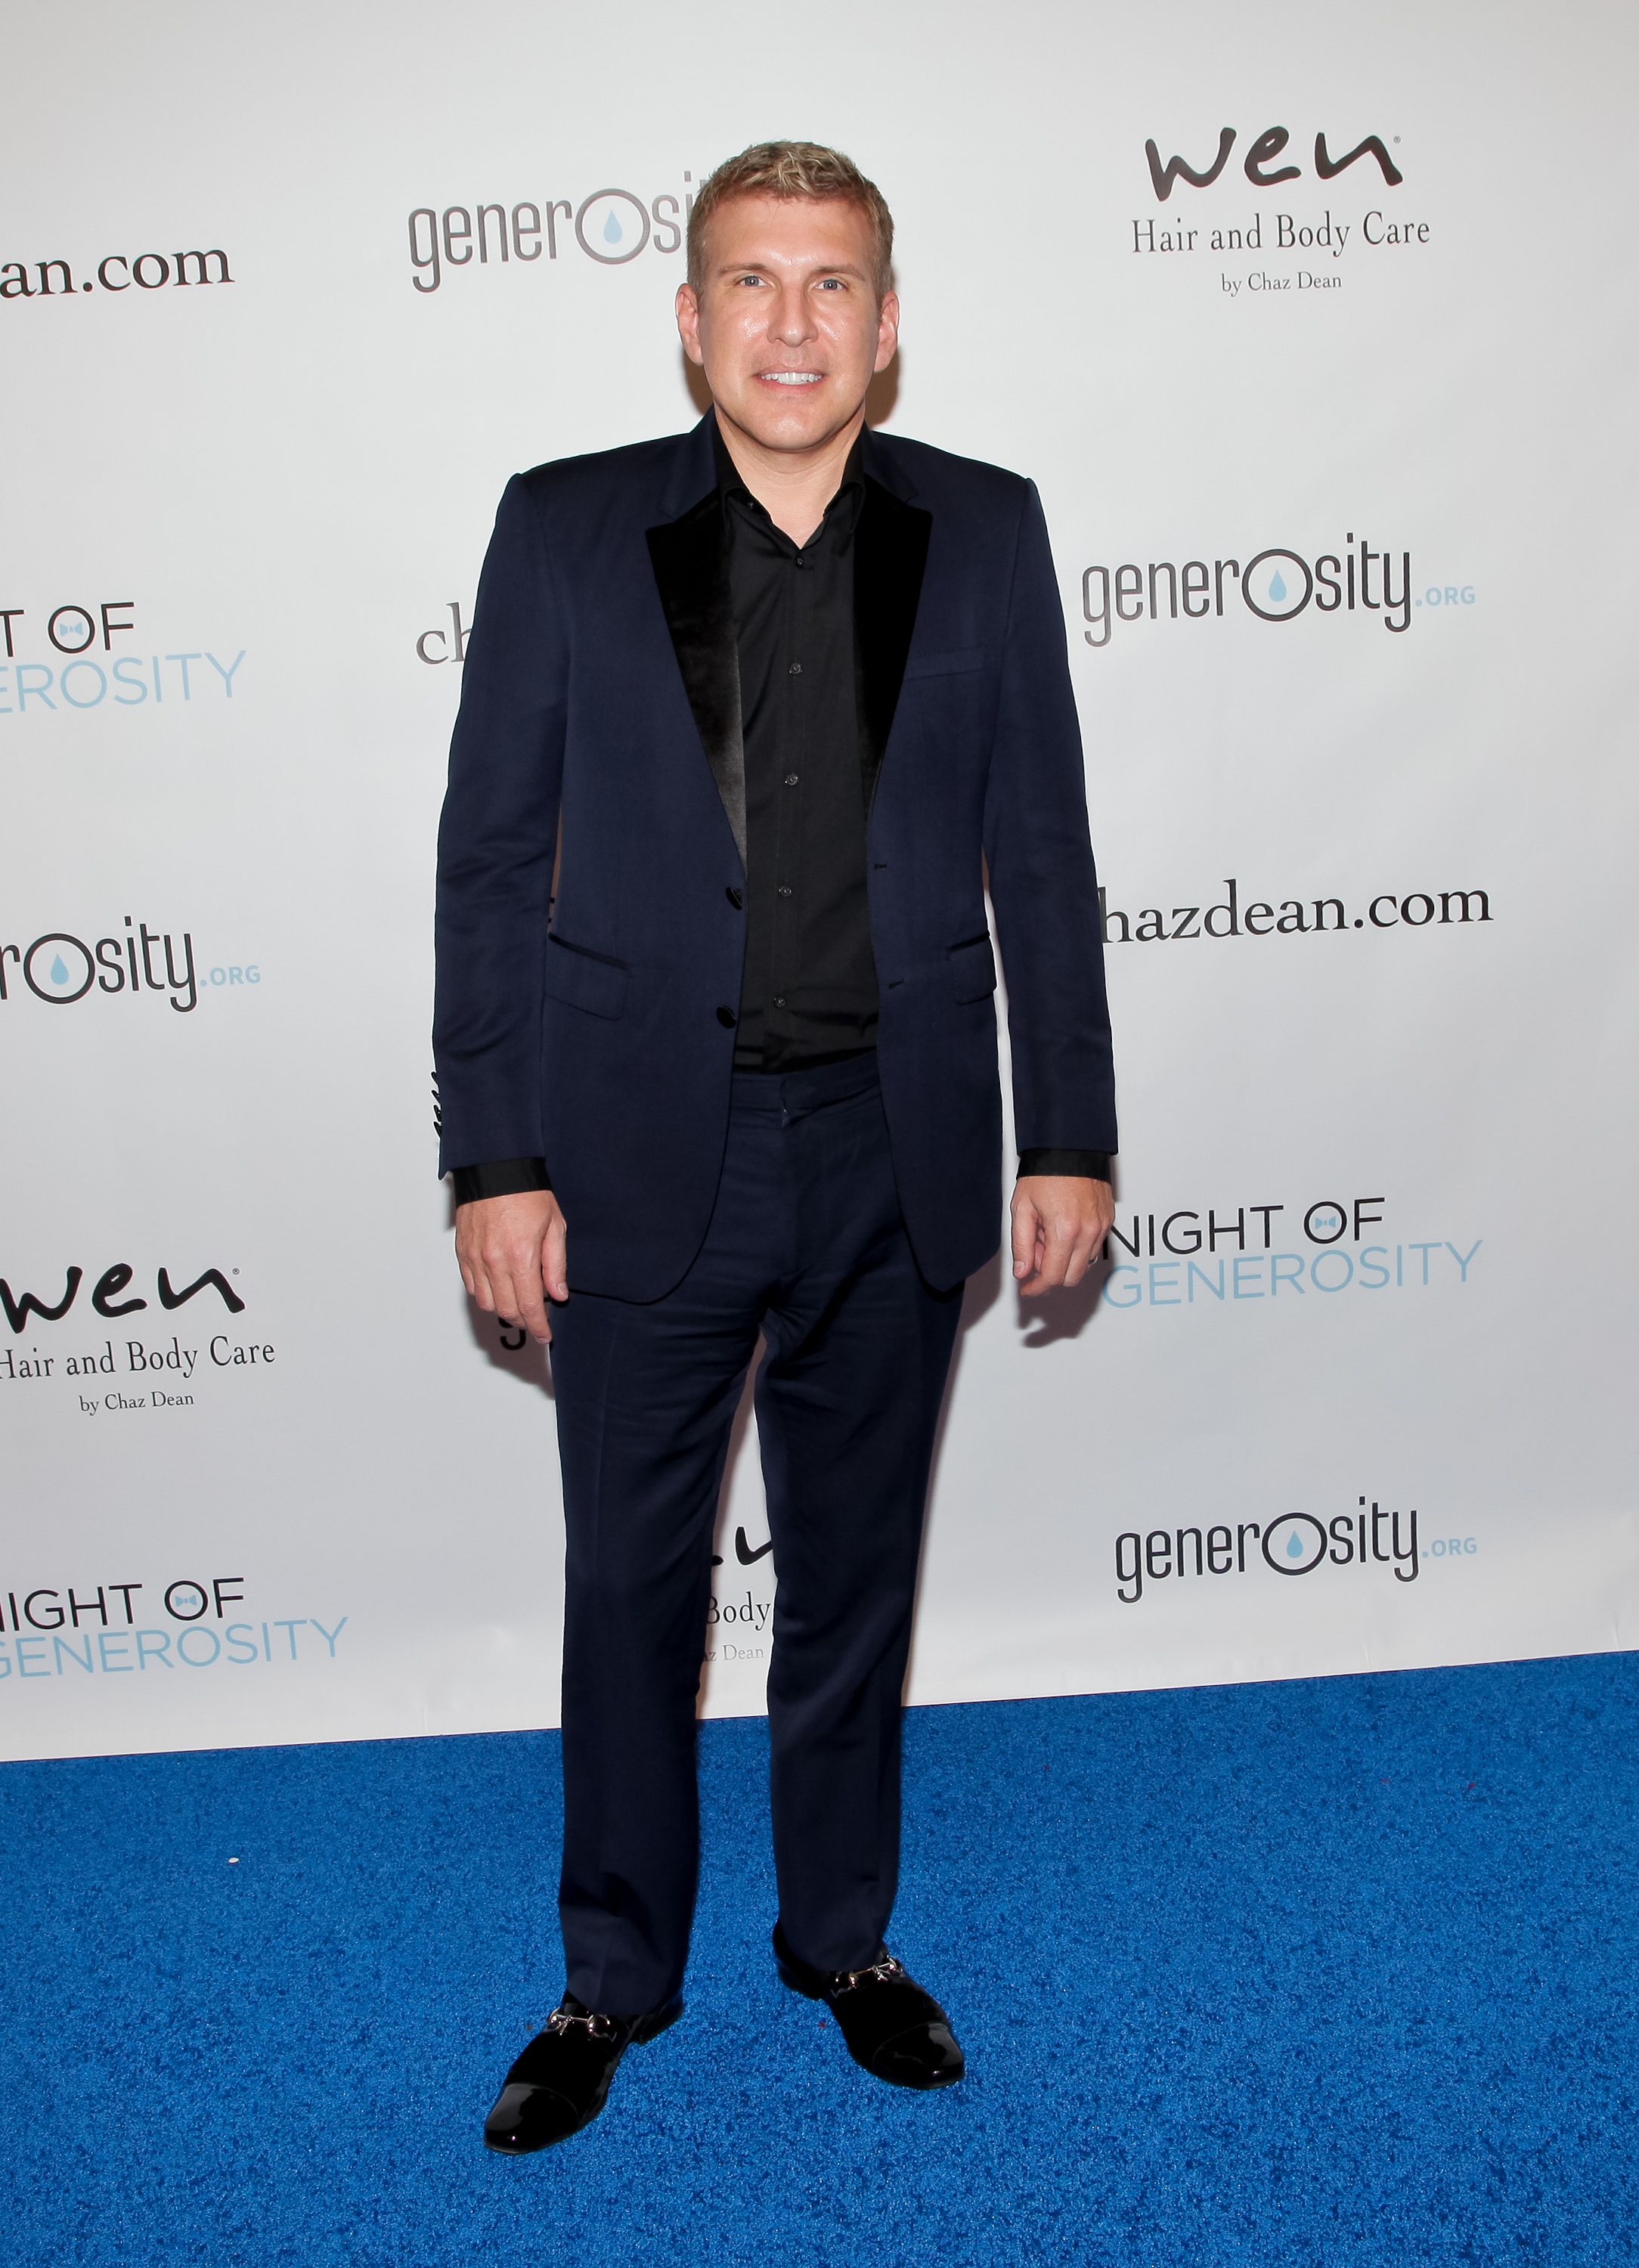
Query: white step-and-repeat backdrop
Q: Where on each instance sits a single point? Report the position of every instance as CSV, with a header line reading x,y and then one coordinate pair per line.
x,y
1313,327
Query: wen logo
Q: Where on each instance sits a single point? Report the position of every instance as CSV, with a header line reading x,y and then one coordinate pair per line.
x,y
1260,156
105,1299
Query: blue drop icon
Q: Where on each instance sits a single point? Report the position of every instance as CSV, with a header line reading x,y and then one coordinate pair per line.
x,y
612,229
59,974
1294,1545
1277,588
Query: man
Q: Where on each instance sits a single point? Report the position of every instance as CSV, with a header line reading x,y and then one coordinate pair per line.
x,y
771,695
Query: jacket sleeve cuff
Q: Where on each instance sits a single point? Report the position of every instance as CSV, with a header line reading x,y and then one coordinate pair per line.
x,y
507,1177
1094,1164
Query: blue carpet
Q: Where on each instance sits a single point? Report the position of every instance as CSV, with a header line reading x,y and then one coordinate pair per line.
x,y
1333,1972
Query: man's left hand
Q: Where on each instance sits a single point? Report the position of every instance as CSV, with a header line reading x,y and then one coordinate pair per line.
x,y
1060,1221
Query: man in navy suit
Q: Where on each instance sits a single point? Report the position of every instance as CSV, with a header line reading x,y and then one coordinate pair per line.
x,y
748,714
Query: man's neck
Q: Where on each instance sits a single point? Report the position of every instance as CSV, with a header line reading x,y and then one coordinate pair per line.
x,y
792,486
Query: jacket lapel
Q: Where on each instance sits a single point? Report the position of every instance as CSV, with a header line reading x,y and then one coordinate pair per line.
x,y
691,569
890,556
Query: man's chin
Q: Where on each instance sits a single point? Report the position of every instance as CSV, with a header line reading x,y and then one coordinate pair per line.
x,y
790,427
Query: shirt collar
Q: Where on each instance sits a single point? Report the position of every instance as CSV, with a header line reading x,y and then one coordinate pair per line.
x,y
851,489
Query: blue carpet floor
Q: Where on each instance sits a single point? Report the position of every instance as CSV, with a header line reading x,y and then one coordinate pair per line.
x,y
1331,1972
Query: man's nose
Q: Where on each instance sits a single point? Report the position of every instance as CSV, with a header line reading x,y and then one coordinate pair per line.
x,y
793,322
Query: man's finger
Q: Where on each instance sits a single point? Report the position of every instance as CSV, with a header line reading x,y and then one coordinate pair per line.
x,y
555,1260
1086,1251
517,1280
1059,1241
1026,1230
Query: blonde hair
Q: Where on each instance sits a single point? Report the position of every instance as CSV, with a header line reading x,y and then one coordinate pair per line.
x,y
793,170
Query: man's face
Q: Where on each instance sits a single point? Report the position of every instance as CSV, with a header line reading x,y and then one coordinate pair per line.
x,y
786,324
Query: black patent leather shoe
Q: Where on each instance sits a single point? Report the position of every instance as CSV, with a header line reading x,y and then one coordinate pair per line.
x,y
892,2028
561,2081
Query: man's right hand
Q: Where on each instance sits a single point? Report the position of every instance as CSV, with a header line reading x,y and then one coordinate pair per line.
x,y
510,1251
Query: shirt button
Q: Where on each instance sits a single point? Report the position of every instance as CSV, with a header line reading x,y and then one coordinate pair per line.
x,y
791,779
779,1000
784,891
727,1019
796,669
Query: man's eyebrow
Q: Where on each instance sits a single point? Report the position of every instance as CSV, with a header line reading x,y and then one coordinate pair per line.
x,y
767,267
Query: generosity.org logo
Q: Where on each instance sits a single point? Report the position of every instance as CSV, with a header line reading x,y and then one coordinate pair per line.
x,y
61,968
78,681
1274,585
1211,1258
608,227
1292,1543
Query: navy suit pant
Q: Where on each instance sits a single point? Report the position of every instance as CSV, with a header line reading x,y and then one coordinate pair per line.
x,y
806,1249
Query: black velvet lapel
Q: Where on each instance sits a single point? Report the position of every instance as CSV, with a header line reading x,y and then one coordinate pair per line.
x,y
691,568
890,555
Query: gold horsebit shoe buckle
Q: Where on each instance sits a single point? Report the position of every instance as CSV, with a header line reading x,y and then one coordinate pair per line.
x,y
847,1980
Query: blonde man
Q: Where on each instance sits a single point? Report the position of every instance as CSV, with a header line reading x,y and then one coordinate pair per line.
x,y
785,687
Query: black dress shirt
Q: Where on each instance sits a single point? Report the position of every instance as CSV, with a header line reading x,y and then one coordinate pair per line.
x,y
808,990
808,994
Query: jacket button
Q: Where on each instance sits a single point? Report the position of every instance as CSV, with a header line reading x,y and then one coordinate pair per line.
x,y
727,1019
736,898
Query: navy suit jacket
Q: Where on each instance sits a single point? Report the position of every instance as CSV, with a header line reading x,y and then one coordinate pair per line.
x,y
599,732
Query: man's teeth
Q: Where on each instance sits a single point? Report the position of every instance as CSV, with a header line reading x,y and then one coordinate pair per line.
x,y
792,377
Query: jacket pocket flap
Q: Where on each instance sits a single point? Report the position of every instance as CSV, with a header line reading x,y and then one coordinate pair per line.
x,y
585,980
973,968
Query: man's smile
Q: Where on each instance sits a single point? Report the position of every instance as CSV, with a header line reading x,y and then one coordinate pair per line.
x,y
791,376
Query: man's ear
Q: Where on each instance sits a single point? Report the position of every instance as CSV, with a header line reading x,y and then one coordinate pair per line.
x,y
887,330
688,322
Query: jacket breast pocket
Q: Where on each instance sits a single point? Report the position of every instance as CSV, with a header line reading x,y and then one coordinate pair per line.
x,y
585,980
972,968
944,665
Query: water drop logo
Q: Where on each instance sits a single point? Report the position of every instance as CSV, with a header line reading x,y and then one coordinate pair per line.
x,y
612,227
58,968
1295,1543
1276,585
